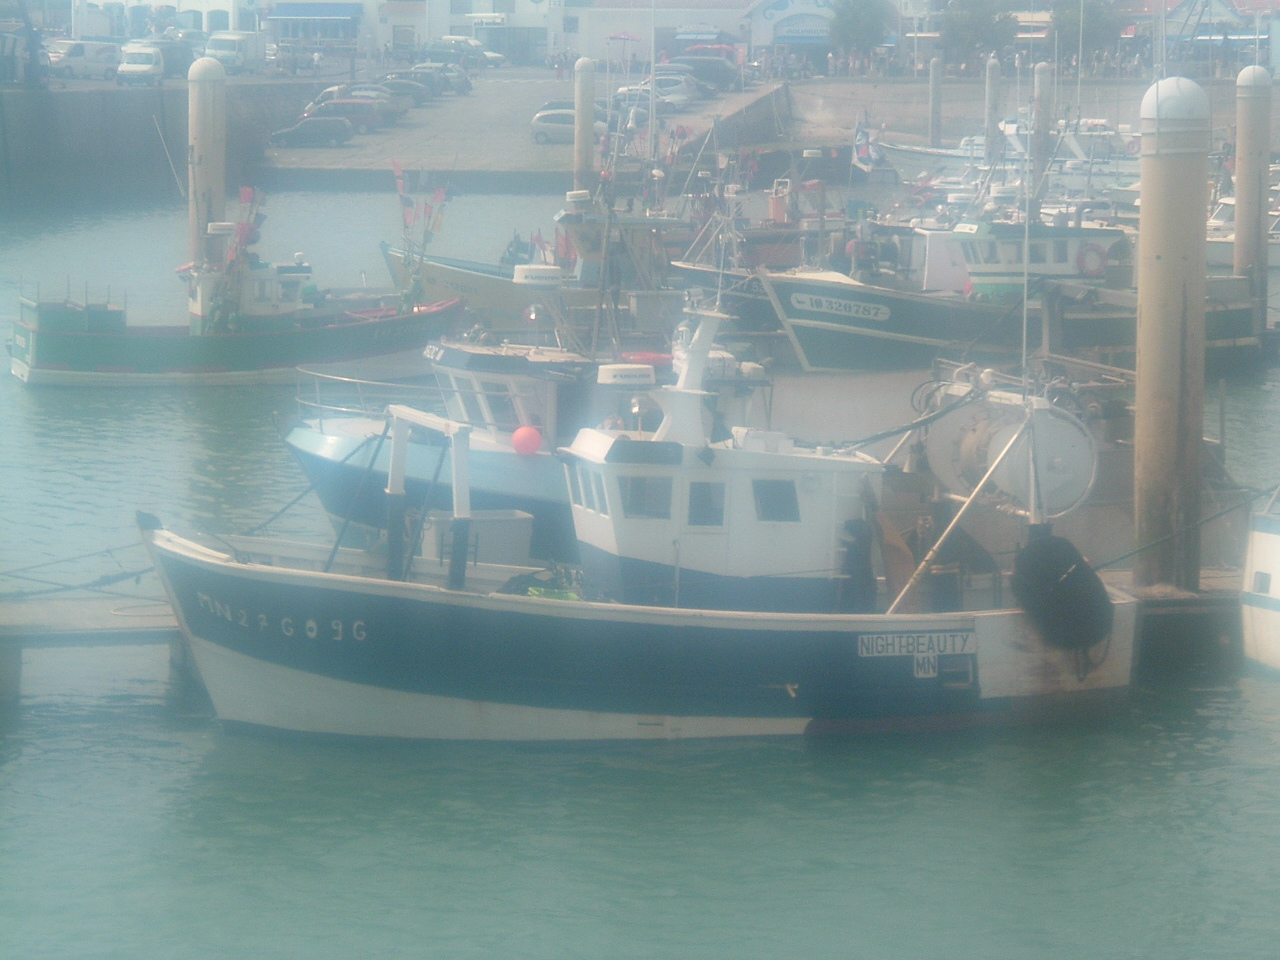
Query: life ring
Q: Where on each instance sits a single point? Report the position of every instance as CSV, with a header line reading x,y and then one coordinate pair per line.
x,y
1134,146
1092,260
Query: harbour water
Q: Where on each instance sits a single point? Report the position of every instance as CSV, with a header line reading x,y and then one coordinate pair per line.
x,y
133,827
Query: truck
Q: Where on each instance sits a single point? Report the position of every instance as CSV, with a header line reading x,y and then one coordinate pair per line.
x,y
238,51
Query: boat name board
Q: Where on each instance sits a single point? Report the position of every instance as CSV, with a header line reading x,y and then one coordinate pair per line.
x,y
858,309
924,648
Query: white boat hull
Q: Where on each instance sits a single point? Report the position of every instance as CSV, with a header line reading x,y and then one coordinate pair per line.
x,y
1260,597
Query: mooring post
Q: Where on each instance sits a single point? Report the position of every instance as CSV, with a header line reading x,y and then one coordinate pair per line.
x,y
584,123
935,102
1253,177
1169,416
207,151
994,142
1041,125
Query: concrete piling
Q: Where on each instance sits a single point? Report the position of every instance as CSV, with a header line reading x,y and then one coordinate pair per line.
x,y
584,118
1041,124
1168,421
994,141
1252,176
935,102
207,151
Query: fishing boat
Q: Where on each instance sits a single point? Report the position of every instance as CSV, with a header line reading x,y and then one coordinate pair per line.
x,y
905,299
249,321
67,342
1260,596
1086,156
600,258
729,588
522,401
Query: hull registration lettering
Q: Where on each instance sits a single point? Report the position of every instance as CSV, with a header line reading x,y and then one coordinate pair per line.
x,y
857,309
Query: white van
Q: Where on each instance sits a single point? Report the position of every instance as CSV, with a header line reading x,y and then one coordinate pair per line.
x,y
238,50
83,58
142,63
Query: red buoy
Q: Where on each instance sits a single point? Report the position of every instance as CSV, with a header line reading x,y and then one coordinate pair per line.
x,y
527,441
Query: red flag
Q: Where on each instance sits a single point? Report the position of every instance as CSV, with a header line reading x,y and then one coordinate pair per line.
x,y
427,210
397,168
246,195
439,195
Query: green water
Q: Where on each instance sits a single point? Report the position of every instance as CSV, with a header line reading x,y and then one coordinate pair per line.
x,y
132,827
129,831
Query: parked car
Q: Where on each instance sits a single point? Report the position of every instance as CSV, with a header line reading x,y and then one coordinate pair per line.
x,y
393,105
141,63
419,93
444,53
448,76
83,58
557,126
423,76
667,75
568,103
628,97
196,39
681,91
176,54
481,56
365,115
315,132
720,73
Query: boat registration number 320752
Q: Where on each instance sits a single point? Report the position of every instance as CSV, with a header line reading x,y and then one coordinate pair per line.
x,y
924,648
858,309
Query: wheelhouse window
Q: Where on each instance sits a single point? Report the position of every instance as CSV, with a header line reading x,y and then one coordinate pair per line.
x,y
575,491
602,502
645,498
1059,251
776,500
501,406
1013,252
588,497
990,252
1035,253
706,504
470,402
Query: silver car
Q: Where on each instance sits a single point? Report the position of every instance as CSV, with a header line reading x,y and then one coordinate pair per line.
x,y
556,126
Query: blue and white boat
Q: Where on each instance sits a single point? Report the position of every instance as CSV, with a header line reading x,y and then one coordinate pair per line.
x,y
1260,596
731,587
522,401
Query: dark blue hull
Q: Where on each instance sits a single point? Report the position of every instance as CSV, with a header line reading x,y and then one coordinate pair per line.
x,y
354,655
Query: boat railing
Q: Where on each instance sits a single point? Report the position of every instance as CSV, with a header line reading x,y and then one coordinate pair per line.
x,y
320,393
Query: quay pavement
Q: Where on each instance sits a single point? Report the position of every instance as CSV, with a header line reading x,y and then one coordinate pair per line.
x,y
484,132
